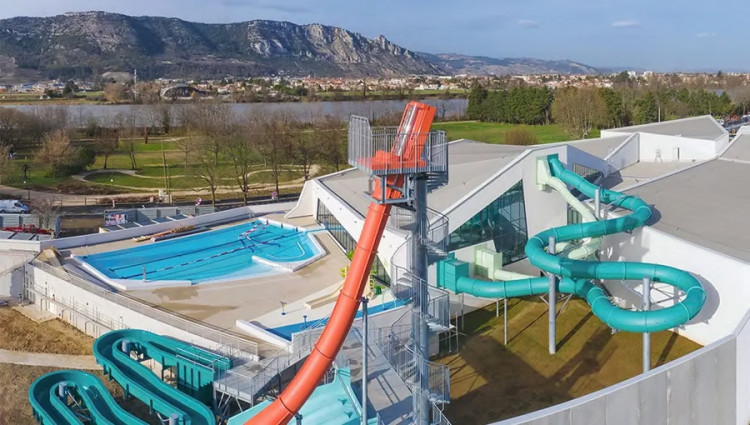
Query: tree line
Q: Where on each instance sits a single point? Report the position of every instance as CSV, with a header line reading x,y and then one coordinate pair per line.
x,y
580,110
215,144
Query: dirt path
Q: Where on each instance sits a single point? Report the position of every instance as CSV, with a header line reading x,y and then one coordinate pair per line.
x,y
69,200
66,361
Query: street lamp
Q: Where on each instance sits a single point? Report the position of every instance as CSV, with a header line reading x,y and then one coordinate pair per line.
x,y
28,192
112,183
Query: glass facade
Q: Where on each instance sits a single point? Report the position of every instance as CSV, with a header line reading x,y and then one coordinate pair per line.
x,y
503,222
329,221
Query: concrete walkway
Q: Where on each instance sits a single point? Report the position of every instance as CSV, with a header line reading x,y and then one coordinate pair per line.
x,y
63,361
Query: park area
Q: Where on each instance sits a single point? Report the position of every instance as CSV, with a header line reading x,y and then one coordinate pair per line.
x,y
491,381
491,132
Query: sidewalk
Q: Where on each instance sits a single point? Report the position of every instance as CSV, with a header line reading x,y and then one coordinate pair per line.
x,y
65,361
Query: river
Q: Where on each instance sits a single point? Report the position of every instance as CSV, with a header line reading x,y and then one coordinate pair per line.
x,y
80,115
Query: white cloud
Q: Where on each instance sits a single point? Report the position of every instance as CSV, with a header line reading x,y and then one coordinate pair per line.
x,y
626,24
705,34
528,23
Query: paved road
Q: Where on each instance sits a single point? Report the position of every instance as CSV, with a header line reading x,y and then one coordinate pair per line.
x,y
64,361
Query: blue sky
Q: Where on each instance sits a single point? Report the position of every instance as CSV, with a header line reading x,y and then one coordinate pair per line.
x,y
663,35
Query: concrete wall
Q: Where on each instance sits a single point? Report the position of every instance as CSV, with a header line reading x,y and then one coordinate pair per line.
x,y
59,296
11,279
97,238
13,245
626,154
722,277
696,389
689,149
347,216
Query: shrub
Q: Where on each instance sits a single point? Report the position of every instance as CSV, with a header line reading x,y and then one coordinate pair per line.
x,y
520,136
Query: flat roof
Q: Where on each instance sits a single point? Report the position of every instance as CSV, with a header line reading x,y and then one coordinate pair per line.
x,y
739,149
641,172
600,147
704,127
704,205
470,164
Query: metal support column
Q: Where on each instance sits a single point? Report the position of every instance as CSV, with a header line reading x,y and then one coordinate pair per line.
x,y
364,359
505,321
421,305
598,203
551,302
646,335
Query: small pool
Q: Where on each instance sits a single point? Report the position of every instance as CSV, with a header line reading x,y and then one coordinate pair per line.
x,y
246,250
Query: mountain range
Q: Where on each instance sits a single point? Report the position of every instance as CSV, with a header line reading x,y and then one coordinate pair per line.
x,y
88,44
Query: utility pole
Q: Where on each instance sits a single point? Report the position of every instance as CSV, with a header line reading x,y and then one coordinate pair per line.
x,y
135,84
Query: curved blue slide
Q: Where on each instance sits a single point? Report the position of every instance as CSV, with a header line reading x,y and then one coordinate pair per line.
x,y
195,370
575,274
50,408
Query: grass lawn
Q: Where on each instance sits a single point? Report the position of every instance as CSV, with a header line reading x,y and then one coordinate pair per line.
x,y
491,381
489,132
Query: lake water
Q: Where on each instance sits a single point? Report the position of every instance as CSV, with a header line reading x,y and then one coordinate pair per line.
x,y
81,114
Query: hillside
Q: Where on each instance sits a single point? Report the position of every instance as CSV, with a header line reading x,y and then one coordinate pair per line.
x,y
85,45
456,64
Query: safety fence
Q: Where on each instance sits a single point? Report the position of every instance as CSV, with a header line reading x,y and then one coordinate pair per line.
x,y
232,344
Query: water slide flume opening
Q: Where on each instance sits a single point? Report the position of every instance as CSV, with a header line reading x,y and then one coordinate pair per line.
x,y
576,274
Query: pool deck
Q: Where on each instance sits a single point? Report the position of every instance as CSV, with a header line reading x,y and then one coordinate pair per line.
x,y
223,303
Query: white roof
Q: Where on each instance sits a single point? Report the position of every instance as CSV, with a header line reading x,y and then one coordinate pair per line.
x,y
704,127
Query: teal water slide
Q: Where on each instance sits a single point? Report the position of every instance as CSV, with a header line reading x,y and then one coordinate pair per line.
x,y
195,370
576,274
56,399
121,354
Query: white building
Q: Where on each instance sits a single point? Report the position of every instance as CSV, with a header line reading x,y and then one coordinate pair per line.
x,y
695,180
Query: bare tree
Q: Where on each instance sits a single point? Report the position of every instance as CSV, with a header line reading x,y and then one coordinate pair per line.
x,y
330,133
46,210
115,92
57,152
303,148
207,168
273,143
578,110
7,165
241,149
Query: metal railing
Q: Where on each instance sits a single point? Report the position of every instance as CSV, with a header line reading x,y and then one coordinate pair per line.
x,y
406,363
434,413
231,344
370,150
404,286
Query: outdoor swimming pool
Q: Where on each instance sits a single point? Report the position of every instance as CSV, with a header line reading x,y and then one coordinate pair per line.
x,y
246,250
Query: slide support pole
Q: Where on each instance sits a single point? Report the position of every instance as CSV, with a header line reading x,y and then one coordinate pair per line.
x,y
551,302
598,203
646,335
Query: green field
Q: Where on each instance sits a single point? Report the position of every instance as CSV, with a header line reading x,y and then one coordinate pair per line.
x,y
489,132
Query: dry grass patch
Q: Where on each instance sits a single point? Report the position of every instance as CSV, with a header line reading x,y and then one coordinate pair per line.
x,y
491,382
17,332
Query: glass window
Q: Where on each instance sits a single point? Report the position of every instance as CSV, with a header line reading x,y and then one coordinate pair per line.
x,y
331,223
503,222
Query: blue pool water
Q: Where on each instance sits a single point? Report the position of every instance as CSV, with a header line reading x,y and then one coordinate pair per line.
x,y
222,254
288,330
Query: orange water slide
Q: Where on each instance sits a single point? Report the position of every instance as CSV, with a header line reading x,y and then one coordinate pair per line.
x,y
409,145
